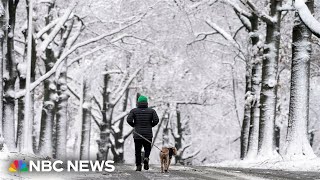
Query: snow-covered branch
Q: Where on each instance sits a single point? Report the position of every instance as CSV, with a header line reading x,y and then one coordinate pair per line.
x,y
75,47
47,27
73,39
202,36
19,50
19,40
110,33
287,7
183,149
191,155
223,33
307,18
112,72
119,117
118,89
45,1
188,102
97,103
127,135
65,37
73,92
125,87
56,29
113,148
262,15
245,21
70,62
96,121
228,37
237,8
53,70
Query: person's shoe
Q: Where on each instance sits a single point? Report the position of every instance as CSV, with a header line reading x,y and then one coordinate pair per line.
x,y
139,167
146,163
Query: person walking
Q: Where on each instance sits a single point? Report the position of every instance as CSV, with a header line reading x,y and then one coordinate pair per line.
x,y
142,119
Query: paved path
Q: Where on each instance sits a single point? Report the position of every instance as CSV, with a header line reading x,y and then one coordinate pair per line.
x,y
206,173
128,172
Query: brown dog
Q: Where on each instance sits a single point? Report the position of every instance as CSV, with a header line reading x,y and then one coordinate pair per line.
x,y
165,157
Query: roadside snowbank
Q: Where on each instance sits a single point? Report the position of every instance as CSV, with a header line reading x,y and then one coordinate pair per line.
x,y
276,164
6,158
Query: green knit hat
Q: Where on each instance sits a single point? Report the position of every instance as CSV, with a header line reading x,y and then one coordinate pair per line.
x,y
142,99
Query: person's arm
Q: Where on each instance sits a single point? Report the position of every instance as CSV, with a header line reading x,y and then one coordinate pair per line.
x,y
155,119
130,118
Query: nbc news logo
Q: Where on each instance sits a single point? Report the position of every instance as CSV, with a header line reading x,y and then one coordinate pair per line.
x,y
57,166
18,166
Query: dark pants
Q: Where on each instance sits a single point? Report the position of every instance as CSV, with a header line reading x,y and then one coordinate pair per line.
x,y
138,143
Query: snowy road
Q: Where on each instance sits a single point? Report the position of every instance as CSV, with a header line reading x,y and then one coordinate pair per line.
x,y
177,173
195,173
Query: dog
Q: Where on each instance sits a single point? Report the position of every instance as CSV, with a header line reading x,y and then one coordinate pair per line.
x,y
165,157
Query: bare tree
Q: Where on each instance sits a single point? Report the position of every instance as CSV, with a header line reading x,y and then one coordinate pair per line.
x,y
107,109
180,134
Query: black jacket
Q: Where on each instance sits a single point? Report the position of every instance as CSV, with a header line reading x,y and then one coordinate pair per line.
x,y
143,119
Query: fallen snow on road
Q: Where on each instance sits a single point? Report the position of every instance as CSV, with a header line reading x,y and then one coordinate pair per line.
x,y
238,174
179,168
291,165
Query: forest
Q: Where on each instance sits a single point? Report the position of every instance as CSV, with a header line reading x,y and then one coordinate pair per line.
x,y
229,79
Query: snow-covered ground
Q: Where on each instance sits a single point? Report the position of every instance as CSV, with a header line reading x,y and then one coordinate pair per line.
x,y
276,164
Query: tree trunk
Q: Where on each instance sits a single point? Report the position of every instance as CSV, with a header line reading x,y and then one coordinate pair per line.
x,y
297,144
9,81
30,52
35,139
3,23
21,112
118,148
86,123
118,136
50,99
48,110
247,114
165,132
277,134
2,36
178,138
255,89
22,70
311,138
268,94
105,128
62,114
164,115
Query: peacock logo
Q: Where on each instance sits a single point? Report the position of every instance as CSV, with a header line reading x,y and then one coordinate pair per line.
x,y
18,165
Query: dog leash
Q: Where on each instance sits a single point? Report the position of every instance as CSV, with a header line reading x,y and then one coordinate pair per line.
x,y
146,139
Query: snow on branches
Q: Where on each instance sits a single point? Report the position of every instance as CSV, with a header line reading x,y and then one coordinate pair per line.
x,y
307,17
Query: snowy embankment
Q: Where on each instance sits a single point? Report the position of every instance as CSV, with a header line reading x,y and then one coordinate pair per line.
x,y
276,164
6,158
